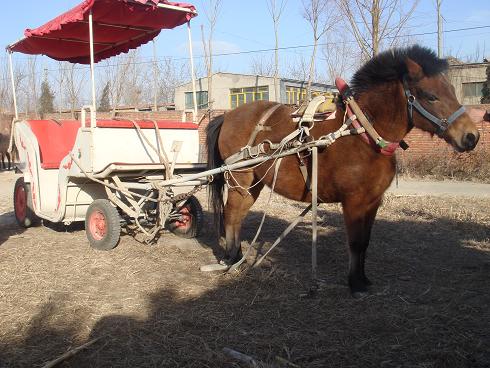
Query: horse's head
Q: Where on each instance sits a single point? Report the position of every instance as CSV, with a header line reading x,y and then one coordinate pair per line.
x,y
433,107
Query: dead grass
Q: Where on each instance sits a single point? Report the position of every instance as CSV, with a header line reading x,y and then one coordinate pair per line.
x,y
429,260
471,166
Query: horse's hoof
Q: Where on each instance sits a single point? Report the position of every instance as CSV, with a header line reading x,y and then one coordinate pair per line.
x,y
359,294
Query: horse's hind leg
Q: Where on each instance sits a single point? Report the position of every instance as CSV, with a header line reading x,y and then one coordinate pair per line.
x,y
359,220
236,208
8,160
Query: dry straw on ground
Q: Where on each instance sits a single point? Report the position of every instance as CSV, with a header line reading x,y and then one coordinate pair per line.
x,y
429,260
470,166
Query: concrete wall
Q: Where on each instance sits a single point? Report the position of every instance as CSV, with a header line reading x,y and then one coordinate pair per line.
x,y
467,73
222,82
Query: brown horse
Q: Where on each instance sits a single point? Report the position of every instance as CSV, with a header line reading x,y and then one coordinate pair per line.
x,y
397,90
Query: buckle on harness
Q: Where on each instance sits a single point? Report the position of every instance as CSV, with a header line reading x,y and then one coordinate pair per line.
x,y
304,133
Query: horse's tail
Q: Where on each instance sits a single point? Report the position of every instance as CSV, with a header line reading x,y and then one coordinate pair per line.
x,y
216,187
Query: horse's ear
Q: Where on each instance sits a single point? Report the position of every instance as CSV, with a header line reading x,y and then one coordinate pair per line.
x,y
415,71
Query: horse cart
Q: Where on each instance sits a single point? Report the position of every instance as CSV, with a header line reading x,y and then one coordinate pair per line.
x,y
107,172
144,174
114,173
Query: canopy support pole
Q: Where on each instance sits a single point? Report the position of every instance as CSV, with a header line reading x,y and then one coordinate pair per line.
x,y
155,77
92,71
193,75
11,67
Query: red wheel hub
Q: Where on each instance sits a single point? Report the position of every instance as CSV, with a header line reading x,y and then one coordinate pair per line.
x,y
21,203
97,225
185,220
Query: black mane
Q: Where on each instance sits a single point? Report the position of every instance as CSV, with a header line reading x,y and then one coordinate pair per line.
x,y
390,66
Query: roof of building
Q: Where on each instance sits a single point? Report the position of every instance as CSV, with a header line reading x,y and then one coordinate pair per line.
x,y
263,76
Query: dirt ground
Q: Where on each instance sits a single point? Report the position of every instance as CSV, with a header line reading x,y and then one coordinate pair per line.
x,y
151,306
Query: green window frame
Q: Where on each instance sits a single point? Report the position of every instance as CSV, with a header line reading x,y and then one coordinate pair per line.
x,y
202,100
473,89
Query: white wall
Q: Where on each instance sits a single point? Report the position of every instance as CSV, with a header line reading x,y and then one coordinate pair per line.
x,y
459,74
222,82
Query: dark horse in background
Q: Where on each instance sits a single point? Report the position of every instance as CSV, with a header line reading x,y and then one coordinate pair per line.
x,y
351,171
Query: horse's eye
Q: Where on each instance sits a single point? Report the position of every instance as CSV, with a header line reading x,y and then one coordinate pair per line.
x,y
431,97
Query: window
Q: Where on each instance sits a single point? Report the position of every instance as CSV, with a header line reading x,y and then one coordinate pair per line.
x,y
472,89
202,100
240,96
296,95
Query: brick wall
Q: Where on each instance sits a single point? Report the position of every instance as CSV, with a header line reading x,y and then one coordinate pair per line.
x,y
421,143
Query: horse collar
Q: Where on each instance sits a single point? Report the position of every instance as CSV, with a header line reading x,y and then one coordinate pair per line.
x,y
440,123
361,123
385,148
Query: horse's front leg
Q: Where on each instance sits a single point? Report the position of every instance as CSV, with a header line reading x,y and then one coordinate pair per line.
x,y
243,194
359,218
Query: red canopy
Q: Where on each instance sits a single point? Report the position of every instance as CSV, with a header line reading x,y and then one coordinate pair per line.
x,y
119,25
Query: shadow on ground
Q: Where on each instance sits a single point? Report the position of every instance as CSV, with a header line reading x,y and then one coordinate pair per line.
x,y
9,227
429,308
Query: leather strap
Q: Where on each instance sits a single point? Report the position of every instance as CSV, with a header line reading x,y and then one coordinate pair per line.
x,y
441,123
260,125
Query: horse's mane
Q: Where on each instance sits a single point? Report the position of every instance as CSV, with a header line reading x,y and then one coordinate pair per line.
x,y
391,65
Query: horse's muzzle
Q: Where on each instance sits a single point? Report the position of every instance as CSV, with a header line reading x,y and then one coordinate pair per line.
x,y
470,141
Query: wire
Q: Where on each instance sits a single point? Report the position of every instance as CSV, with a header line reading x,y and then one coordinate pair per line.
x,y
247,52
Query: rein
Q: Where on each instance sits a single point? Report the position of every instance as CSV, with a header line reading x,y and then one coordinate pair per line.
x,y
440,123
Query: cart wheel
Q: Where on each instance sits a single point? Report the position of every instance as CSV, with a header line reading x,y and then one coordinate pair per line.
x,y
24,214
190,223
102,225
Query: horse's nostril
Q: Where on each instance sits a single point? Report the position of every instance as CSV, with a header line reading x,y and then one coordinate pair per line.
x,y
470,141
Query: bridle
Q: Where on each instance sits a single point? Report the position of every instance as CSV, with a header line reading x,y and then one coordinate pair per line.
x,y
441,123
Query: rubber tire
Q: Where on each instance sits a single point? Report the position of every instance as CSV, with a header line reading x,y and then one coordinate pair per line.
x,y
28,218
196,214
111,218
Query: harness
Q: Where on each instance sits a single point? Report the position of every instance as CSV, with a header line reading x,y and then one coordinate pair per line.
x,y
441,124
358,119
355,123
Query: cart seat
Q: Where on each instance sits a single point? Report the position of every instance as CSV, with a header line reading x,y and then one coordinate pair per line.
x,y
146,124
55,139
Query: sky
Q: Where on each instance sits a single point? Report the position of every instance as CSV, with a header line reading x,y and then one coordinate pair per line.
x,y
246,26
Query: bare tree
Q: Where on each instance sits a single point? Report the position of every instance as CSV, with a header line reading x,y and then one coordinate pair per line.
x,y
171,75
298,68
276,7
339,55
133,86
376,24
319,14
120,73
6,100
261,65
30,87
74,82
212,17
60,79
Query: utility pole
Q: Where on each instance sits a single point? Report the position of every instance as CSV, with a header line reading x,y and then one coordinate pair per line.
x,y
439,30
